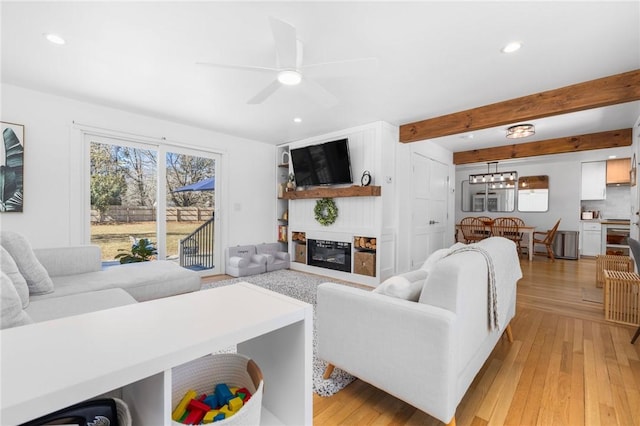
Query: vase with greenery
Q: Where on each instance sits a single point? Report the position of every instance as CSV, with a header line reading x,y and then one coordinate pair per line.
x,y
142,250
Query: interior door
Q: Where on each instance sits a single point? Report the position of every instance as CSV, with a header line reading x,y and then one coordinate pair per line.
x,y
428,207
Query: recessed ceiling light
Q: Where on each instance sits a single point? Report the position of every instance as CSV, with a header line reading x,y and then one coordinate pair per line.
x,y
611,157
289,77
54,38
511,47
297,120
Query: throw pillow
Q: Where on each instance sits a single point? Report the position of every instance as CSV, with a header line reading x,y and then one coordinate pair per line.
x,y
31,269
11,312
9,267
405,286
439,255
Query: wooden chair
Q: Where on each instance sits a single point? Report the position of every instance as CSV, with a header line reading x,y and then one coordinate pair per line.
x,y
546,238
508,228
521,245
473,230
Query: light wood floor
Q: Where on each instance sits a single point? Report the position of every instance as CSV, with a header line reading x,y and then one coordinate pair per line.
x,y
566,366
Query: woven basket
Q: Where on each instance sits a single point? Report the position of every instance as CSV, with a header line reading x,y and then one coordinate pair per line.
x,y
203,374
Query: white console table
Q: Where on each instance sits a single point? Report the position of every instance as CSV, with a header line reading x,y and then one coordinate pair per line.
x,y
51,365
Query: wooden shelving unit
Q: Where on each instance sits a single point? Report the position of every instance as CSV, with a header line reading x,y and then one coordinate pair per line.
x,y
350,191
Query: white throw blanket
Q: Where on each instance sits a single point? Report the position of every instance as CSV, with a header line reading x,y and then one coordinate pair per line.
x,y
503,268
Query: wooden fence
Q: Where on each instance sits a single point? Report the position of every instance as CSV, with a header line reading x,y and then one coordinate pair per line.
x,y
128,214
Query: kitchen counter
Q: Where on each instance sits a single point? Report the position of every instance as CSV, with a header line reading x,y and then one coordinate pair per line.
x,y
608,221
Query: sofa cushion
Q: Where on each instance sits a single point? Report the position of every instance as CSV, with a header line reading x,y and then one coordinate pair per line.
x,y
77,304
405,286
12,314
144,281
239,262
9,267
33,272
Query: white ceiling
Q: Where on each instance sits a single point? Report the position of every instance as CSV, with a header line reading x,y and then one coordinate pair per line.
x,y
434,58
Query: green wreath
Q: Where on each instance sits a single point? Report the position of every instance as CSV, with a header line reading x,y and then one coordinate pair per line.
x,y
326,211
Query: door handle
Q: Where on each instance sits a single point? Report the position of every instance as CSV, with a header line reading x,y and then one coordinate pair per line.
x,y
433,222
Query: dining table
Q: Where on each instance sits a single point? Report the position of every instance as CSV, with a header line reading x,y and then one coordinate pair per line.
x,y
525,230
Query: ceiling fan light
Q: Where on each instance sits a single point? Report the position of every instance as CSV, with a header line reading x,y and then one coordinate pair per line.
x,y
520,131
289,77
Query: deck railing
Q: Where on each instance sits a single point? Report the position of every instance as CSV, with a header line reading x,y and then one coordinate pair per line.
x,y
196,249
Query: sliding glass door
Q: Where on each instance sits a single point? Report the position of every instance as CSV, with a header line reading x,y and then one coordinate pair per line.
x,y
158,193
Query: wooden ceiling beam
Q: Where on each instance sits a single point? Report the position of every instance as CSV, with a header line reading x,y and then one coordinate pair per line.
x,y
612,90
601,140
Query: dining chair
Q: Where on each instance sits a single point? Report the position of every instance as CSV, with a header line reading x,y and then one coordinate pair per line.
x,y
507,227
473,230
521,224
546,238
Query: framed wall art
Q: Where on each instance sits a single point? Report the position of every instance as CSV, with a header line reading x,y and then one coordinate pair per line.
x,y
11,167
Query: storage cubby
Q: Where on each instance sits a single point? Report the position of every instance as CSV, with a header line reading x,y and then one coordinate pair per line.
x,y
300,247
364,256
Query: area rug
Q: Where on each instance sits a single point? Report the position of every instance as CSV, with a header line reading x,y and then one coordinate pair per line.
x,y
594,295
303,287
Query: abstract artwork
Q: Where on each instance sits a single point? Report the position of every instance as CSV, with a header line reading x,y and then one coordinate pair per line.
x,y
11,167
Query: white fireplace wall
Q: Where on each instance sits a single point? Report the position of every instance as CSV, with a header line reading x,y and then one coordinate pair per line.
x,y
372,147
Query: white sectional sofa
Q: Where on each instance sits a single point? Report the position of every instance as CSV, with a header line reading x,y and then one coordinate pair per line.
x,y
58,282
425,344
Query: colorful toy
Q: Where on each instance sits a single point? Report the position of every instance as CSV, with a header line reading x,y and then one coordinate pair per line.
x,y
235,404
223,403
227,412
246,393
212,400
210,417
197,410
223,393
181,408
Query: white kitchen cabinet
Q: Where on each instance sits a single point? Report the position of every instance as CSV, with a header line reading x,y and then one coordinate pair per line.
x,y
594,181
53,364
591,238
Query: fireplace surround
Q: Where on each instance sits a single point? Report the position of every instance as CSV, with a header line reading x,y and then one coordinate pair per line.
x,y
334,255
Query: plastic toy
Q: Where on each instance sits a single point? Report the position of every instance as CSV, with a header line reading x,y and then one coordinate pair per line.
x,y
227,412
197,410
212,400
235,404
223,393
246,393
181,408
210,416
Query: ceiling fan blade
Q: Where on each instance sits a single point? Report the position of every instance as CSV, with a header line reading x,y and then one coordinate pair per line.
x,y
284,35
318,93
265,93
238,67
341,68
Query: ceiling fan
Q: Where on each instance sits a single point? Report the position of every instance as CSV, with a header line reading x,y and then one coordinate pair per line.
x,y
291,71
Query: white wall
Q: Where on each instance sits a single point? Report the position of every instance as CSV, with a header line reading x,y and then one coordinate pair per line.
x,y
53,157
564,171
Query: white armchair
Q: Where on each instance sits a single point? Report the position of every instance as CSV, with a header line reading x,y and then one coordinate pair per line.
x,y
276,258
244,260
425,353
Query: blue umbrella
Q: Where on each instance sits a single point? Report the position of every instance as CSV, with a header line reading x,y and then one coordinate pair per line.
x,y
203,185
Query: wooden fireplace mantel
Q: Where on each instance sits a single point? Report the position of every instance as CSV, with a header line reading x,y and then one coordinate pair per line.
x,y
349,191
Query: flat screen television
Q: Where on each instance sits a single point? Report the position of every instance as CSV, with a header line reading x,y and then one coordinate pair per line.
x,y
323,164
